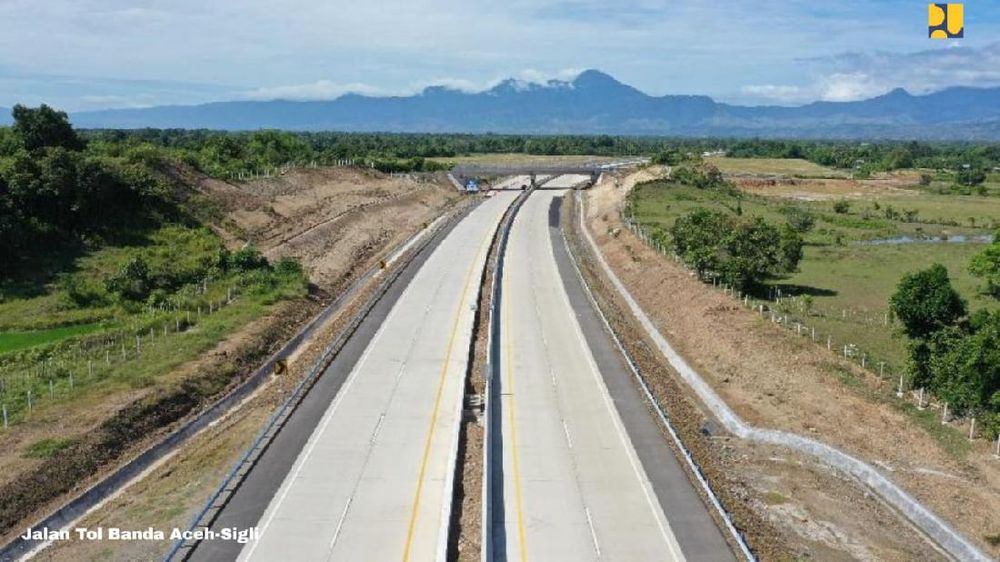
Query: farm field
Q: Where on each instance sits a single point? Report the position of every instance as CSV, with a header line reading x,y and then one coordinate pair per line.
x,y
785,166
852,260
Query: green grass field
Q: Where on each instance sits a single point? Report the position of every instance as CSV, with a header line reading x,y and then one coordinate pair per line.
x,y
66,338
848,283
774,166
13,341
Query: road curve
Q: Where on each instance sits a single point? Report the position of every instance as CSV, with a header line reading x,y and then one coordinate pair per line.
x,y
574,487
374,480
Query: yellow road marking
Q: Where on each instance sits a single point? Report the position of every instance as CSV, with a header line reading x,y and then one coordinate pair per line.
x,y
509,391
437,403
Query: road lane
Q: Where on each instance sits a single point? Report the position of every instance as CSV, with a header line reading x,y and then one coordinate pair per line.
x,y
374,480
574,488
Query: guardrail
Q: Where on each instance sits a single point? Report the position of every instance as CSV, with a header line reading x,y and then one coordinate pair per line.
x,y
206,516
491,431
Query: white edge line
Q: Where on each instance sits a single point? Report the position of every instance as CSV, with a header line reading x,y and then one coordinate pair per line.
x,y
314,438
640,474
656,406
593,532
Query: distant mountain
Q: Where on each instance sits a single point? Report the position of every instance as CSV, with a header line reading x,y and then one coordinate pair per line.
x,y
593,102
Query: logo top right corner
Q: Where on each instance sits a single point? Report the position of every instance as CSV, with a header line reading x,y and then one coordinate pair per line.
x,y
945,21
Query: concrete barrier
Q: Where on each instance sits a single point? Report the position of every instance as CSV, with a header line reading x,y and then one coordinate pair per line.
x,y
940,532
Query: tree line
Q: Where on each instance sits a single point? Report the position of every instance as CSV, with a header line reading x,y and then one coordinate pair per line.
x,y
219,152
954,353
55,189
970,160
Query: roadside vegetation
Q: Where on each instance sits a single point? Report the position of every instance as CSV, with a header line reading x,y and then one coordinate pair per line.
x,y
109,281
954,351
853,253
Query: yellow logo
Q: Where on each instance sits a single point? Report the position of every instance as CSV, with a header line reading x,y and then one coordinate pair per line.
x,y
945,21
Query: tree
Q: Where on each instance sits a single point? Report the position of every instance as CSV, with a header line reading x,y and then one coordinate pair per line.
x,y
926,302
986,264
698,238
738,251
44,127
751,251
790,248
964,367
971,175
841,207
898,158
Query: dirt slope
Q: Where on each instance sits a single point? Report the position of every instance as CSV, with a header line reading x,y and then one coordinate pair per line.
x,y
329,218
338,221
774,379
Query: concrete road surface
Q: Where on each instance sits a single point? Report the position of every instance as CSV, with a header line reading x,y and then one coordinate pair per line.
x,y
566,181
574,487
374,481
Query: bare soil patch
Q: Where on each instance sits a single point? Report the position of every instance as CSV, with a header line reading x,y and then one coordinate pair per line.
x,y
883,186
328,217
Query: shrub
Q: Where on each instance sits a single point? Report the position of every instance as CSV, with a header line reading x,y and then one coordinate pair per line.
x,y
799,219
131,282
287,266
841,207
247,258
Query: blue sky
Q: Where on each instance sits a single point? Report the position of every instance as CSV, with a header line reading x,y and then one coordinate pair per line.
x,y
87,54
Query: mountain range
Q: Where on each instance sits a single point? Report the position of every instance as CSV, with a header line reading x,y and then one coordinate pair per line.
x,y
592,103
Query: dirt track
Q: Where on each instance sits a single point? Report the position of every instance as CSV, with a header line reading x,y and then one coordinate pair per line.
x,y
774,379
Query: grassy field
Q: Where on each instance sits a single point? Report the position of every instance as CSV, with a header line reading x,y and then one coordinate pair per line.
x,y
848,283
13,341
66,337
774,166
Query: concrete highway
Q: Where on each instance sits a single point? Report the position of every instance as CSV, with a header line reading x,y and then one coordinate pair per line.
x,y
374,480
363,470
575,484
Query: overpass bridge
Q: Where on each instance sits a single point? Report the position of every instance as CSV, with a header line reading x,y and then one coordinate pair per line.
x,y
464,172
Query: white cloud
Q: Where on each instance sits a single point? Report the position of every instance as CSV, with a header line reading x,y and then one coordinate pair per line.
x,y
328,89
856,76
541,77
318,90
775,92
850,86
